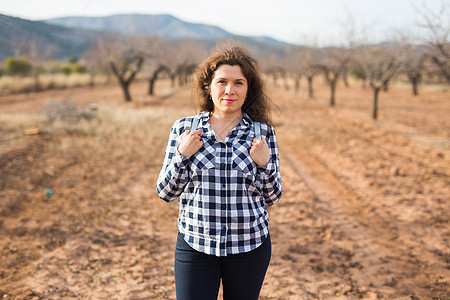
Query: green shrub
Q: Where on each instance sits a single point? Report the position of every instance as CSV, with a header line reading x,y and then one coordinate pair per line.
x,y
18,66
66,69
70,68
72,59
357,73
79,68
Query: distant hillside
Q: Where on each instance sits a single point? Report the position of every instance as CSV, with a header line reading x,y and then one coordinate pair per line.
x,y
15,33
163,25
73,35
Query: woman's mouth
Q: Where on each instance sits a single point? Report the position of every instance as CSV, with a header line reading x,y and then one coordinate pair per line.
x,y
228,100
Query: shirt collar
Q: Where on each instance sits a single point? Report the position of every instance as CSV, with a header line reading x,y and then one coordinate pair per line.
x,y
247,120
204,117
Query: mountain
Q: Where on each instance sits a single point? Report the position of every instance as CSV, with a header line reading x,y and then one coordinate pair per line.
x,y
162,25
16,34
73,35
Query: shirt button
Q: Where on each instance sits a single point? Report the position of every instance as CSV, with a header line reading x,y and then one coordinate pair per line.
x,y
224,185
222,165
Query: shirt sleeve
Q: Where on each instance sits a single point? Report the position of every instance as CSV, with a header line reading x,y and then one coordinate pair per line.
x,y
174,174
272,187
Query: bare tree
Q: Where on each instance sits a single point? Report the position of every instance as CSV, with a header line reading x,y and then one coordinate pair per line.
x,y
308,61
380,64
156,64
184,72
277,73
126,70
186,55
414,65
271,67
124,55
350,31
357,71
290,62
308,55
38,54
437,26
334,62
156,73
96,64
177,59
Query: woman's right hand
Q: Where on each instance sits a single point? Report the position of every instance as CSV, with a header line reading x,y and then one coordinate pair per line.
x,y
191,142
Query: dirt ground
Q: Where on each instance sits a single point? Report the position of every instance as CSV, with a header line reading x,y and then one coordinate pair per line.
x,y
364,213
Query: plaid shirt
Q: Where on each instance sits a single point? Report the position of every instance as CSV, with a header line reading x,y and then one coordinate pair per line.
x,y
222,192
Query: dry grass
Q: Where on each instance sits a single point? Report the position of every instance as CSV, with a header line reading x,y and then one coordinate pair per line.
x,y
104,233
19,120
17,84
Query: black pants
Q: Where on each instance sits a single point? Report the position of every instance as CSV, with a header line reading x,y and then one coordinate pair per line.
x,y
197,275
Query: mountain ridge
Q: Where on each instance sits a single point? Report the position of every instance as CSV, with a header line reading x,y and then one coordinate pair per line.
x,y
72,36
15,33
140,24
164,25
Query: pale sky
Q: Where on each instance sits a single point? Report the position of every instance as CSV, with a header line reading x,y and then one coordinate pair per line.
x,y
285,20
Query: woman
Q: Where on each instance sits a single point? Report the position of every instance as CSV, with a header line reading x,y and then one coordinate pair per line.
x,y
224,178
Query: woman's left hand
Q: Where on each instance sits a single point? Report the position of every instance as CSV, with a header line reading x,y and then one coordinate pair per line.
x,y
259,152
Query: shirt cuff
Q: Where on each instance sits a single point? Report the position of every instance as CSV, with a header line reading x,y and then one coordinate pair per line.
x,y
179,159
268,169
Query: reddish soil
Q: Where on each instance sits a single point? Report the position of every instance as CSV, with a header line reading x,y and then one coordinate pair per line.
x,y
364,214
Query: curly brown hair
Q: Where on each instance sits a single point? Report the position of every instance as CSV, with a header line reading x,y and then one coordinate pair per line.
x,y
257,104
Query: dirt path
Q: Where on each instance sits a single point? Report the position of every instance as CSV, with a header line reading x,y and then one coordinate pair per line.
x,y
364,213
378,260
385,248
126,256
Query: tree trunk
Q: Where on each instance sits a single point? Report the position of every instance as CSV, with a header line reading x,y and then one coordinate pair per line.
x,y
442,67
125,88
151,84
376,91
121,76
275,77
345,77
310,87
333,92
297,78
297,84
154,77
37,85
415,84
172,79
286,82
415,80
91,79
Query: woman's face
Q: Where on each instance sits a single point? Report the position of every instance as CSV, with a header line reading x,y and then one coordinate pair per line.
x,y
228,89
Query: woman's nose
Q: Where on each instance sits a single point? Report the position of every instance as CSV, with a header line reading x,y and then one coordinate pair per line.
x,y
228,89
